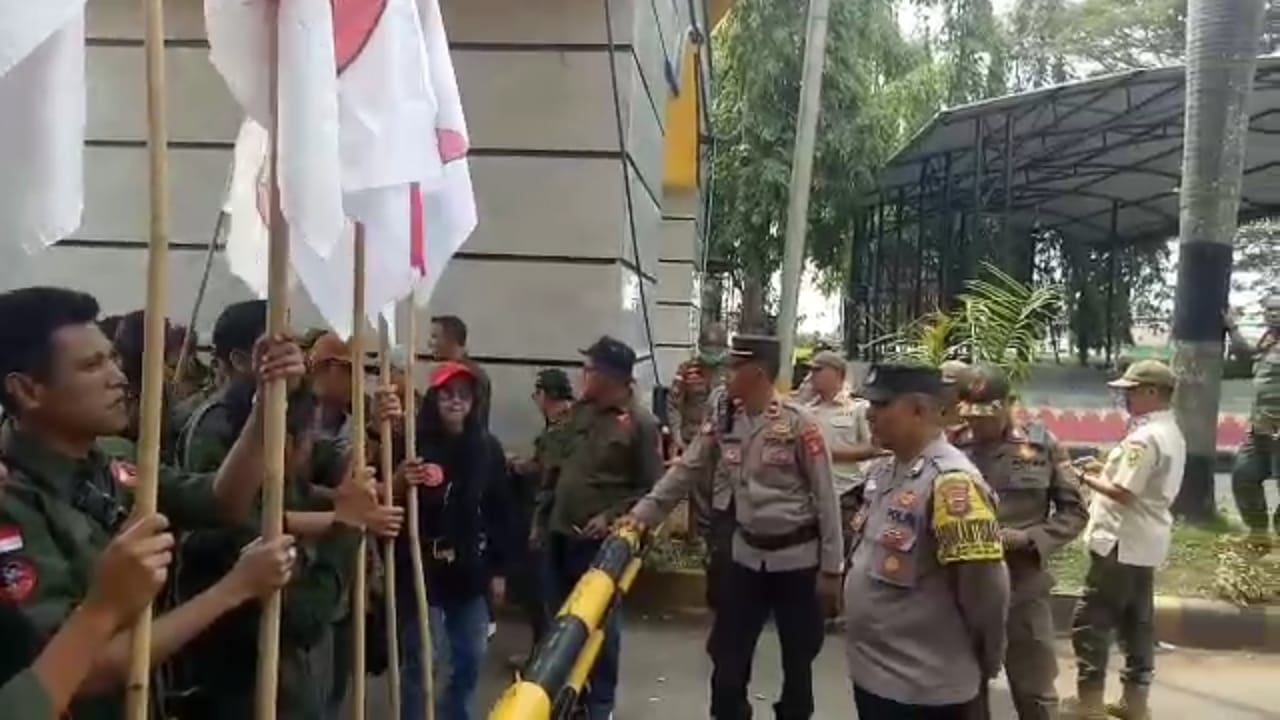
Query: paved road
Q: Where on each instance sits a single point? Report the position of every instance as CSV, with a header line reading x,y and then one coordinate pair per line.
x,y
665,673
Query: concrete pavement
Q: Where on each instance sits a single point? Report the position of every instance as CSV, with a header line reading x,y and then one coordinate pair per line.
x,y
665,675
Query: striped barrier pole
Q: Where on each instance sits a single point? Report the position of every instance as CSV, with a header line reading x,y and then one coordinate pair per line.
x,y
556,672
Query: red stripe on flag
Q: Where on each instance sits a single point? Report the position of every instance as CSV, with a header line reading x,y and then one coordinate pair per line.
x,y
417,243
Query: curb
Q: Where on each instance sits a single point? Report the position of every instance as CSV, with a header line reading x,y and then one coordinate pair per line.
x,y
1184,622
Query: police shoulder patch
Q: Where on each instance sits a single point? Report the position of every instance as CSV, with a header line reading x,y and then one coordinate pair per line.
x,y
813,442
964,522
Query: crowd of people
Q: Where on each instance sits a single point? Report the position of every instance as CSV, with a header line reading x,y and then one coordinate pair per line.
x,y
910,507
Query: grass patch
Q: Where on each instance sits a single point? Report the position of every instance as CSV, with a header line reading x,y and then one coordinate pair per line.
x,y
1213,563
1210,563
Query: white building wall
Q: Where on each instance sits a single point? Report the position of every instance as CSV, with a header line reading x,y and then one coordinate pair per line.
x,y
551,265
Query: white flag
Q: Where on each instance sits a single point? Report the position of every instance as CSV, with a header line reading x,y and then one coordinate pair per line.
x,y
411,190
42,121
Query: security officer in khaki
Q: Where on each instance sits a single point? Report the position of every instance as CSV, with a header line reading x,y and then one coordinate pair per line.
x,y
1040,510
61,384
614,460
786,545
927,590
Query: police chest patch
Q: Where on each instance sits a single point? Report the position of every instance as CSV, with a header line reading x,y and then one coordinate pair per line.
x,y
813,442
17,580
963,521
776,455
732,454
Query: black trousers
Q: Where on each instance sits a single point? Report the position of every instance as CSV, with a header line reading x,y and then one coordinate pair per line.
x,y
873,707
749,598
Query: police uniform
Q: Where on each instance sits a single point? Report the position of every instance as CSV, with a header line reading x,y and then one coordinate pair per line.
x,y
843,419
1127,542
1259,456
58,513
926,592
613,459
1039,495
786,528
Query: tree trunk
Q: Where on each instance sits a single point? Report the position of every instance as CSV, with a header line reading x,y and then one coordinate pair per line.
x,y
1222,46
753,300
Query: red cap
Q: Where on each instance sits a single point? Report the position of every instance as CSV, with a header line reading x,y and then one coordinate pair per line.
x,y
447,371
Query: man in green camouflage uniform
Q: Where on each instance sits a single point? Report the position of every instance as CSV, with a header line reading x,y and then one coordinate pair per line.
x,y
695,380
1259,457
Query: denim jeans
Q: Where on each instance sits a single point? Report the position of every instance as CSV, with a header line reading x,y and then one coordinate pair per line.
x,y
570,559
459,636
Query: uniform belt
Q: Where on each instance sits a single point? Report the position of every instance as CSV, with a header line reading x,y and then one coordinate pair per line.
x,y
769,543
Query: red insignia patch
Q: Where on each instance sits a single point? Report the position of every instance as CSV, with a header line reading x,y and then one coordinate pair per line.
x,y
17,580
813,442
624,420
435,475
124,473
10,539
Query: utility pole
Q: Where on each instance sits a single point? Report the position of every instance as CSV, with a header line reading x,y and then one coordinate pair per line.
x,y
815,55
1222,58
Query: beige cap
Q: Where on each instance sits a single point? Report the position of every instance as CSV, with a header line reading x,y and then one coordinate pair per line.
x,y
829,359
955,372
1145,372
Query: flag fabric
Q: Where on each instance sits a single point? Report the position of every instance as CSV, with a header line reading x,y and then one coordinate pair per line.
x,y
42,121
409,189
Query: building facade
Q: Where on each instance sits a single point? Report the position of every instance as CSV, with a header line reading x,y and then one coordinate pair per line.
x,y
582,232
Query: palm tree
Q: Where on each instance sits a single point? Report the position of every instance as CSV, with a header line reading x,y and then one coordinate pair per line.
x,y
1222,44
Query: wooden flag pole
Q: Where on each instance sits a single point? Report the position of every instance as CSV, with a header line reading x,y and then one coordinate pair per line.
x,y
275,394
359,598
415,527
137,692
387,450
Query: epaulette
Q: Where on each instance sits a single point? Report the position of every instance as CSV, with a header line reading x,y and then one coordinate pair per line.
x,y
1036,434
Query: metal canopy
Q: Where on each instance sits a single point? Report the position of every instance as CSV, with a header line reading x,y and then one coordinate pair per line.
x,y
1097,160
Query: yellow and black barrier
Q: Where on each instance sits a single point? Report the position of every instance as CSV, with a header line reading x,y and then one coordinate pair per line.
x,y
549,685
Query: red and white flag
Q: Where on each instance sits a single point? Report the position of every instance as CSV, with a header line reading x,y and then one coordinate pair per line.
x,y
411,190
42,121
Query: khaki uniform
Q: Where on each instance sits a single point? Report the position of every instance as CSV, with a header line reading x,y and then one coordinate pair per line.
x,y
927,591
1039,494
786,527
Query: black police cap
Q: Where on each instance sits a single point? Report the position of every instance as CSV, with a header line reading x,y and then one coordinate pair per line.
x,y
611,355
764,348
885,382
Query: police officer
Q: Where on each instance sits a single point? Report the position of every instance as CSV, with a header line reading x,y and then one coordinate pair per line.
x,y
696,379
1259,456
66,499
613,461
786,544
927,590
955,375
1040,510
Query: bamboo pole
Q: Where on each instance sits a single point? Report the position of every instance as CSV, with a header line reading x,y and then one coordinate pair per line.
x,y
137,692
389,545
415,528
359,598
275,395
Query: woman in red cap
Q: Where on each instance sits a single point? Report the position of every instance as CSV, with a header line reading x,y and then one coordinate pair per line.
x,y
466,516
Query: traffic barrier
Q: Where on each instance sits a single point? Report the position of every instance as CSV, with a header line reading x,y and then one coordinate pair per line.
x,y
548,686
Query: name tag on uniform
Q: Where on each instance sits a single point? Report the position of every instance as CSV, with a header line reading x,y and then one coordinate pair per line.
x,y
777,455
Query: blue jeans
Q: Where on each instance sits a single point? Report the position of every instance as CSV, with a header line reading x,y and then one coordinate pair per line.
x,y
570,558
459,636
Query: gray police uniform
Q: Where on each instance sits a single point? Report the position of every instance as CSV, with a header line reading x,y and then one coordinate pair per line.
x,y
927,591
774,479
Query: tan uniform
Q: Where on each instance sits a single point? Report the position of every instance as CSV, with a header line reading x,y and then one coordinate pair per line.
x,y
927,591
1039,494
777,488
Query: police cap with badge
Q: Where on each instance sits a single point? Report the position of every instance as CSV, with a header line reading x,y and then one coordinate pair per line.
x,y
765,350
886,382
